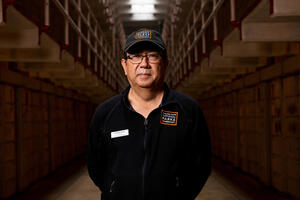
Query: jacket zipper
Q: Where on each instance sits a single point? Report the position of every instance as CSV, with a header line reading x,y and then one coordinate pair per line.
x,y
145,159
145,142
177,181
111,186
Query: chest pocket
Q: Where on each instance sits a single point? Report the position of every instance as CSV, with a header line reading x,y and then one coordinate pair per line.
x,y
173,132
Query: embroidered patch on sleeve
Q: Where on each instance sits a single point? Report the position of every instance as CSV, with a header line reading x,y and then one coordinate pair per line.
x,y
169,118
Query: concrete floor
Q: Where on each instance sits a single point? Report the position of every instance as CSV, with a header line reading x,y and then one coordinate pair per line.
x,y
73,183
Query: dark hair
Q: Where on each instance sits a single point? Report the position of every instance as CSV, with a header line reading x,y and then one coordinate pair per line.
x,y
142,46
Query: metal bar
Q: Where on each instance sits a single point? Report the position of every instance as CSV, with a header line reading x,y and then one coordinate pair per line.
x,y
185,68
182,42
203,28
77,28
1,13
203,6
112,69
232,11
105,62
66,24
89,40
106,74
164,31
101,56
47,13
189,56
208,21
181,73
172,40
95,63
203,35
68,17
188,17
79,53
114,41
102,69
87,24
200,13
108,78
195,33
96,58
215,23
78,9
94,18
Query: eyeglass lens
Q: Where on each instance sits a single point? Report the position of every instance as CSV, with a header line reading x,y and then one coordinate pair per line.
x,y
152,58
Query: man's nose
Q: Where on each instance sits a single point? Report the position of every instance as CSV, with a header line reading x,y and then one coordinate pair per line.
x,y
145,62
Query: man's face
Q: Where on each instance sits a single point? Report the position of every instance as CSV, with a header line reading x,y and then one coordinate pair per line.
x,y
145,69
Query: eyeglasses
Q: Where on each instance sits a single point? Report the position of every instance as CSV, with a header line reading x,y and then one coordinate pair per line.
x,y
137,59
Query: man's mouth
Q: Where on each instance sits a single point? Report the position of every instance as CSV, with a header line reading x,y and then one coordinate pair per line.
x,y
143,72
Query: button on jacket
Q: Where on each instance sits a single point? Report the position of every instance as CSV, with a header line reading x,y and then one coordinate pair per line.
x,y
163,157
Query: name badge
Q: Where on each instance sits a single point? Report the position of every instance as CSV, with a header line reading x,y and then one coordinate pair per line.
x,y
121,133
169,118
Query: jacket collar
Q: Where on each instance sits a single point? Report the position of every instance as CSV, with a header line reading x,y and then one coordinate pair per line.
x,y
168,98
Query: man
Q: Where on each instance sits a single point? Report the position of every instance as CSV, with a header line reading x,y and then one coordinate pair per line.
x,y
149,142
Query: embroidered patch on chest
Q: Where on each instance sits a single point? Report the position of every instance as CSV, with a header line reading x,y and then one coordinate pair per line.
x,y
169,118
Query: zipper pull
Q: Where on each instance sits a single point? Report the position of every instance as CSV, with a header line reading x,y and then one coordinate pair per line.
x,y
146,122
177,181
111,186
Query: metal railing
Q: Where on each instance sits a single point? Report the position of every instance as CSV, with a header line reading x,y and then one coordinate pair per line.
x,y
109,71
1,13
189,37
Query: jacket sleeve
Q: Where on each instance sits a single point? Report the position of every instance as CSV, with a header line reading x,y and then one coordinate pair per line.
x,y
96,158
199,156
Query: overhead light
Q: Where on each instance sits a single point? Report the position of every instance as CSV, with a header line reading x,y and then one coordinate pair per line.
x,y
142,9
139,8
143,1
142,17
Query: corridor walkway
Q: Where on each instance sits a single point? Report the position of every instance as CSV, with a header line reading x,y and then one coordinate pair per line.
x,y
83,188
73,183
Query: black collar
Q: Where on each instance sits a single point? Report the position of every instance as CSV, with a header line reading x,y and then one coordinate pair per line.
x,y
165,99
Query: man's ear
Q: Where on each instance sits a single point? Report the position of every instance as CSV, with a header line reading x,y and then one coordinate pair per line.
x,y
124,65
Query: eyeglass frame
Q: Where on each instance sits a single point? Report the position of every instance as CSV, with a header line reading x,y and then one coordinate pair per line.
x,y
159,57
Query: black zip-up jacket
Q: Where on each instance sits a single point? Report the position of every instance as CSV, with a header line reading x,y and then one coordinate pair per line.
x,y
164,157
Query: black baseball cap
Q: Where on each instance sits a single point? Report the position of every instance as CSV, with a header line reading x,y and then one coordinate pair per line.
x,y
145,37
